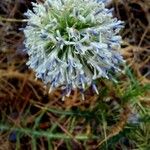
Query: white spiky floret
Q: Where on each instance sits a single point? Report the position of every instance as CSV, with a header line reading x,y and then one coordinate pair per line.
x,y
71,43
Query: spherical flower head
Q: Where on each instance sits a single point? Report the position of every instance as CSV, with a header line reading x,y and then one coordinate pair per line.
x,y
71,43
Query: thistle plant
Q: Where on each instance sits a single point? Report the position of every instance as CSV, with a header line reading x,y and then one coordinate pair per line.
x,y
71,43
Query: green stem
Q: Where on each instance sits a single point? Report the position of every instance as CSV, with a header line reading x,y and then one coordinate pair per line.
x,y
35,133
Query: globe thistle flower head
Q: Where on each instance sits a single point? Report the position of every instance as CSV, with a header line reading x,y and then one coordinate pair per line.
x,y
71,43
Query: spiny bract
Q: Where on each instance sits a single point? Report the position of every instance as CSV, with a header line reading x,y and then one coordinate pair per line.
x,y
71,43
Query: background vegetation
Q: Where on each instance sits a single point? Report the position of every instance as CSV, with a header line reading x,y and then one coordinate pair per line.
x,y
116,119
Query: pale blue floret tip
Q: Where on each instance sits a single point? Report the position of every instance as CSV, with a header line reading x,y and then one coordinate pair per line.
x,y
71,43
